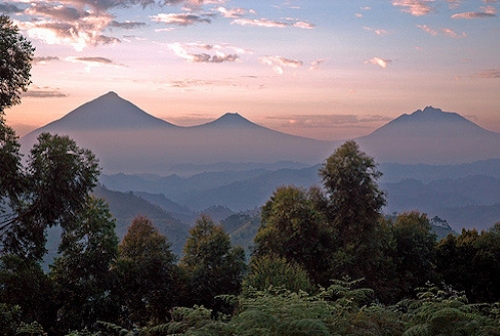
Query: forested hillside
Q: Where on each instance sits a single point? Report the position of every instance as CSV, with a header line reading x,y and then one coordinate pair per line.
x,y
323,261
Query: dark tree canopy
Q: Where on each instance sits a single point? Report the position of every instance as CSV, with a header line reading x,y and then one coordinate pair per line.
x,y
52,191
146,274
16,54
82,271
355,200
211,264
293,228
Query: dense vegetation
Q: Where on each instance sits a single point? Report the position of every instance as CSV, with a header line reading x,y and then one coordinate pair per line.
x,y
325,261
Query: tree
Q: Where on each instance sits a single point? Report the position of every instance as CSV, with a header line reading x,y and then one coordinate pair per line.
x,y
23,283
54,189
212,266
292,228
146,275
81,273
354,208
266,271
16,55
355,200
471,263
414,251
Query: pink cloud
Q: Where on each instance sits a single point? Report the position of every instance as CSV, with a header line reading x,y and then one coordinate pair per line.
x,y
274,24
219,57
182,19
415,7
279,63
484,13
383,63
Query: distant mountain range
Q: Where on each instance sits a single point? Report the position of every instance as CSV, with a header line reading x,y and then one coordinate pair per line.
x,y
127,139
431,136
464,199
433,161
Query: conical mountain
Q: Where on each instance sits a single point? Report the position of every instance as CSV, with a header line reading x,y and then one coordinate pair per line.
x,y
431,136
429,122
108,111
127,139
230,121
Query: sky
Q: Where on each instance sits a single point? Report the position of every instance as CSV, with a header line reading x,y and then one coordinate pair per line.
x,y
324,69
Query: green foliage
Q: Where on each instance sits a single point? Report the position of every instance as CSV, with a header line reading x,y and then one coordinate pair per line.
x,y
10,317
146,276
446,312
193,321
471,262
353,210
269,271
354,198
55,188
81,273
10,165
84,333
212,266
16,54
336,232
24,284
414,252
293,229
31,329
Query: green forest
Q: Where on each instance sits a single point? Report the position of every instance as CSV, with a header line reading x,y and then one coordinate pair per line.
x,y
325,261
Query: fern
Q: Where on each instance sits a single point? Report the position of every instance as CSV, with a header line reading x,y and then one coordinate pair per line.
x,y
118,330
31,329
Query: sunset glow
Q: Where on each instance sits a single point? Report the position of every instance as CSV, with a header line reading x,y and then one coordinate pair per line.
x,y
321,69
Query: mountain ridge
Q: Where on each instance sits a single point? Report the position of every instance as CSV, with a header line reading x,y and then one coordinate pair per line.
x,y
128,139
107,111
133,141
431,136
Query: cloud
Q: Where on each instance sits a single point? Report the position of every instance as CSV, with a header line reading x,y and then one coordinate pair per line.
x,y
414,7
488,12
182,19
99,60
383,63
79,23
428,30
92,62
491,73
182,50
328,121
232,13
260,23
316,65
44,59
9,8
77,32
59,13
43,92
451,33
279,63
452,4
274,24
443,31
303,25
129,25
200,83
377,31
